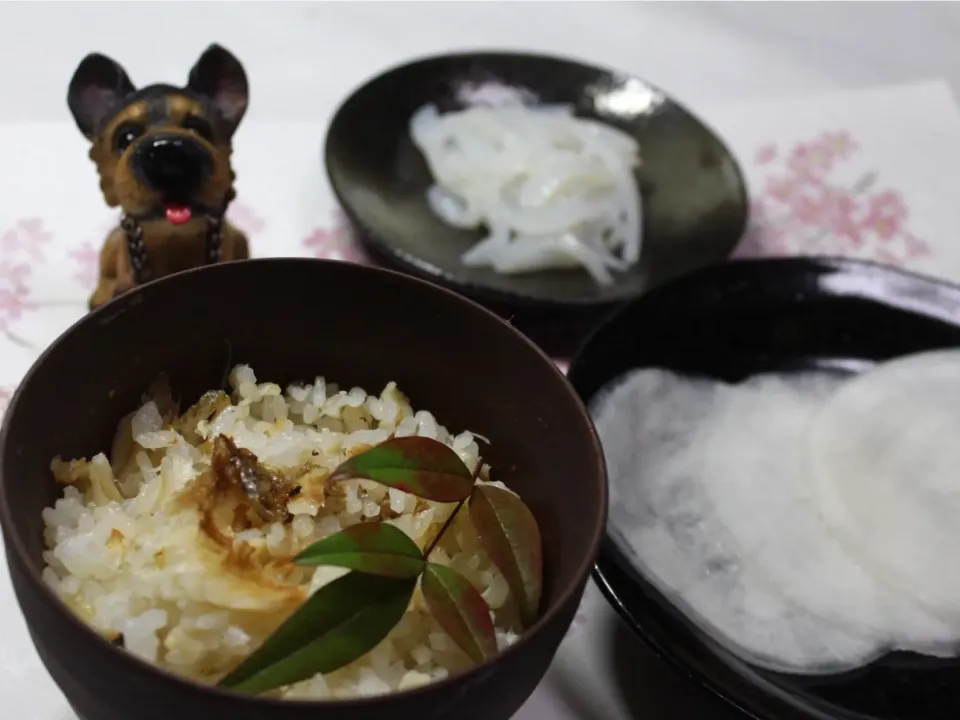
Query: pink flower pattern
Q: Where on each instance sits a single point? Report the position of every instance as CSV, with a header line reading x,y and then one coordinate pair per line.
x,y
87,260
336,242
802,210
245,218
21,245
26,237
14,293
86,254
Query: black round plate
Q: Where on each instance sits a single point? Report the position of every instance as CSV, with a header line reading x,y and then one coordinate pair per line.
x,y
695,202
737,320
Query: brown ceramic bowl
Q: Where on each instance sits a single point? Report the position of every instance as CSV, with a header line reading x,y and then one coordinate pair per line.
x,y
294,319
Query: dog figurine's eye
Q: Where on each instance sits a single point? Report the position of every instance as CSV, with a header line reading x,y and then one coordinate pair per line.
x,y
126,134
199,126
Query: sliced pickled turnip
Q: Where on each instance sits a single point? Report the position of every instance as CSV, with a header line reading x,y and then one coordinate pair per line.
x,y
753,474
710,494
884,464
654,426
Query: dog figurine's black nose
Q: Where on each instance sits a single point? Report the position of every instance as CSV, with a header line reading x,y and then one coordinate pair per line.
x,y
171,164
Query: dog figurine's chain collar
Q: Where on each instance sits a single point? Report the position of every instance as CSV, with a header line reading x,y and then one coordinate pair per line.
x,y
137,249
214,235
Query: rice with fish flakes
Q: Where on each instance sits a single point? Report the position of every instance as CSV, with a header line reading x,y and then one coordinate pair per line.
x,y
153,549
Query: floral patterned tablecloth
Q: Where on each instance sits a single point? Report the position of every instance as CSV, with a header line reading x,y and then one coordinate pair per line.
x,y
871,174
801,205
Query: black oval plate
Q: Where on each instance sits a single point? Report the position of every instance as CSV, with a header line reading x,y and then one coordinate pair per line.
x,y
695,202
737,320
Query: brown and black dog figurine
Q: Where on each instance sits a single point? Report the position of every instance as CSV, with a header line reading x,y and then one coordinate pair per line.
x,y
163,154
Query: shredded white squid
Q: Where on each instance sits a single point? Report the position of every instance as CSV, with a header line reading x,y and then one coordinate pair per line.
x,y
554,191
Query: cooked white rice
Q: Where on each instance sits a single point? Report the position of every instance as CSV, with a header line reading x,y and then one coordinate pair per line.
x,y
128,552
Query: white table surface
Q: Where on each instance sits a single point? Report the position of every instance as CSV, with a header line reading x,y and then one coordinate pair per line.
x,y
303,58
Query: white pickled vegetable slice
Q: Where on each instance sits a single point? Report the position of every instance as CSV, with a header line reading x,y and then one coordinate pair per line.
x,y
554,191
884,462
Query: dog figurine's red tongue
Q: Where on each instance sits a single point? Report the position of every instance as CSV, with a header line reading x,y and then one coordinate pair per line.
x,y
163,154
178,214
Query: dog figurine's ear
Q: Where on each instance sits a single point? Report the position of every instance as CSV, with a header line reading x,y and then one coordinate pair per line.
x,y
219,76
97,86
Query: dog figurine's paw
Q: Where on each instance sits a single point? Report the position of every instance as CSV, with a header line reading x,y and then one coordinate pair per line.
x,y
121,288
163,155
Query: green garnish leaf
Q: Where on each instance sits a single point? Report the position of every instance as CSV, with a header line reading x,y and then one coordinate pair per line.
x,y
421,466
373,548
510,535
460,610
339,623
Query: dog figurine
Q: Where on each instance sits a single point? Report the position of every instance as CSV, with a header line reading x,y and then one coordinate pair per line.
x,y
163,155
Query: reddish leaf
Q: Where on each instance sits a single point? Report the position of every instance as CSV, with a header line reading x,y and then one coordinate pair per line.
x,y
509,533
460,610
372,548
417,465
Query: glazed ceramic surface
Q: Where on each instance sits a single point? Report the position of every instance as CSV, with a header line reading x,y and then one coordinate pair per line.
x,y
693,195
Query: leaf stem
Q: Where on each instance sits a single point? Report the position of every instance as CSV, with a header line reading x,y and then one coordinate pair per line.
x,y
449,521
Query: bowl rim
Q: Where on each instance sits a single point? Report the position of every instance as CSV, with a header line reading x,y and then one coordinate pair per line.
x,y
412,264
15,545
611,557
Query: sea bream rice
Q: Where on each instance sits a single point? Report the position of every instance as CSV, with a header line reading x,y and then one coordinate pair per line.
x,y
144,548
